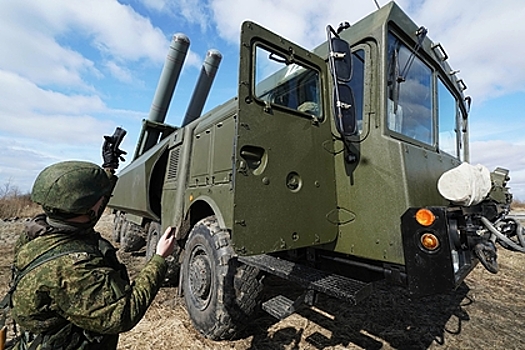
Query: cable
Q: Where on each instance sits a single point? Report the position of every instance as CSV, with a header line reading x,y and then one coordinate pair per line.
x,y
504,238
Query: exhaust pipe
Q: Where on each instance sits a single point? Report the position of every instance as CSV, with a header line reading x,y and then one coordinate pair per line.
x,y
168,79
202,89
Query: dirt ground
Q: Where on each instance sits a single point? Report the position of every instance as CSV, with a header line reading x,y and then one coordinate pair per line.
x,y
486,312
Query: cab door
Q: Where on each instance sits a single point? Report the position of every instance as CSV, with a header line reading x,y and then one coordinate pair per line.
x,y
284,187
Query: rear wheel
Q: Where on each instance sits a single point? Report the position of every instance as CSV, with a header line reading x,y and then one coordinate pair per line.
x,y
117,226
132,237
220,293
152,239
154,233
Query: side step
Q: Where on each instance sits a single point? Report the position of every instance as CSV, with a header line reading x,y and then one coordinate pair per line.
x,y
331,284
279,307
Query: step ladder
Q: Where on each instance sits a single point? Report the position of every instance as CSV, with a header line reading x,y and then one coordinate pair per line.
x,y
313,280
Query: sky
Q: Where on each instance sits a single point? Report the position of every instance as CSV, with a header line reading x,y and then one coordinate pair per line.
x,y
73,70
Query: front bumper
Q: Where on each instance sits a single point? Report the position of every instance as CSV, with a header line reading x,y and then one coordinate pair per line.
x,y
443,269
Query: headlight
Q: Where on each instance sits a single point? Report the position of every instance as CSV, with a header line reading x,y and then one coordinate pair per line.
x,y
429,241
425,217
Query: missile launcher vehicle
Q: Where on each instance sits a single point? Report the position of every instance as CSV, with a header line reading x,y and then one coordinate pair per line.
x,y
332,168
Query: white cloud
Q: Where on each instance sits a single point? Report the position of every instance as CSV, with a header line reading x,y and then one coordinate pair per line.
x,y
37,32
39,57
191,11
503,154
156,5
119,72
302,23
13,160
482,40
24,96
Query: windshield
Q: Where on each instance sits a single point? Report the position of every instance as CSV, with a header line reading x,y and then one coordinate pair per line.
x,y
409,93
286,84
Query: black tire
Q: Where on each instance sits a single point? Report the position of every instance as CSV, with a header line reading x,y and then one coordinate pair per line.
x,y
220,293
152,239
132,237
172,274
117,226
124,225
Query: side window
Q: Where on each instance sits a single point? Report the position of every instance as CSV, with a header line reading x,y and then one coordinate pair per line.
x,y
357,85
287,84
447,111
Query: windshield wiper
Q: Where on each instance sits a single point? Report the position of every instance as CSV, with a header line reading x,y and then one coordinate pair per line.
x,y
285,60
421,33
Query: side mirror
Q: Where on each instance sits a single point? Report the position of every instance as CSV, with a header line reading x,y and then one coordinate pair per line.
x,y
342,56
345,110
340,60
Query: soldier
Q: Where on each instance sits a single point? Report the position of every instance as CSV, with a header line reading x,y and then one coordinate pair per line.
x,y
73,293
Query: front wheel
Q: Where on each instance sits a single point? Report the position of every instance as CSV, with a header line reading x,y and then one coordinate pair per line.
x,y
220,293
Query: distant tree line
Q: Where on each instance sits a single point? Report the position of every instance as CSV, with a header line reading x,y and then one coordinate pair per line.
x,y
14,203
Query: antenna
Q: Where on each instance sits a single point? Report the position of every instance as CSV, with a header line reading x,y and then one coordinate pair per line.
x,y
377,4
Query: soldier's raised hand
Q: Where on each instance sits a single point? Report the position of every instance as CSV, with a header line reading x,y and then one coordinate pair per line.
x,y
166,244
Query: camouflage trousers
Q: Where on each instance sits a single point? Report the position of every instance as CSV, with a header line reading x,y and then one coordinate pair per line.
x,y
68,337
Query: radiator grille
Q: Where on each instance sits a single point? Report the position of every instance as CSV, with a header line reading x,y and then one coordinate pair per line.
x,y
174,164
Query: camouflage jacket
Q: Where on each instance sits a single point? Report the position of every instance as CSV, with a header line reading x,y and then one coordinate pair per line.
x,y
80,300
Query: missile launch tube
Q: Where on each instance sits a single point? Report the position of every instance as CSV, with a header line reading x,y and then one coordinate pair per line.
x,y
202,89
168,79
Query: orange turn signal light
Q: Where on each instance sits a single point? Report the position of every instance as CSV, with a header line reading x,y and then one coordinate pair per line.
x,y
425,217
429,241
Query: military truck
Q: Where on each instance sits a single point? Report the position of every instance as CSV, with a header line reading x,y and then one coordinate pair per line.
x,y
323,171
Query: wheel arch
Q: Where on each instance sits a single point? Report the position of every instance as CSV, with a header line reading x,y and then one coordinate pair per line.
x,y
200,208
156,183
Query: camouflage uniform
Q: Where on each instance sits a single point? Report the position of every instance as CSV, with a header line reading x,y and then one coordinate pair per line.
x,y
79,300
80,297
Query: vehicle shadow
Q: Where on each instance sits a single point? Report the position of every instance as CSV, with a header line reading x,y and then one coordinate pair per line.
x,y
388,316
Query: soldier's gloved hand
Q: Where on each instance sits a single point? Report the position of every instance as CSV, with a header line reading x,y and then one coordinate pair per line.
x,y
111,154
166,245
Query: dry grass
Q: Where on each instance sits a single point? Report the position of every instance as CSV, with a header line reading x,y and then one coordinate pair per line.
x,y
15,204
486,312
517,205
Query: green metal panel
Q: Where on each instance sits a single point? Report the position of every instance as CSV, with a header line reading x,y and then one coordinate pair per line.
x,y
131,194
270,212
372,199
222,151
200,157
390,177
200,167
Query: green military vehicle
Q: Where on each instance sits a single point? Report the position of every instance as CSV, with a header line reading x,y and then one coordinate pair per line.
x,y
323,170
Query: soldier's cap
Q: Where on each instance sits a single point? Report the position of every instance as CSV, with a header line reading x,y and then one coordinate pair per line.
x,y
70,187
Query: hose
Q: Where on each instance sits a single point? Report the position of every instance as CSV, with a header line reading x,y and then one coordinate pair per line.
x,y
520,232
504,238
